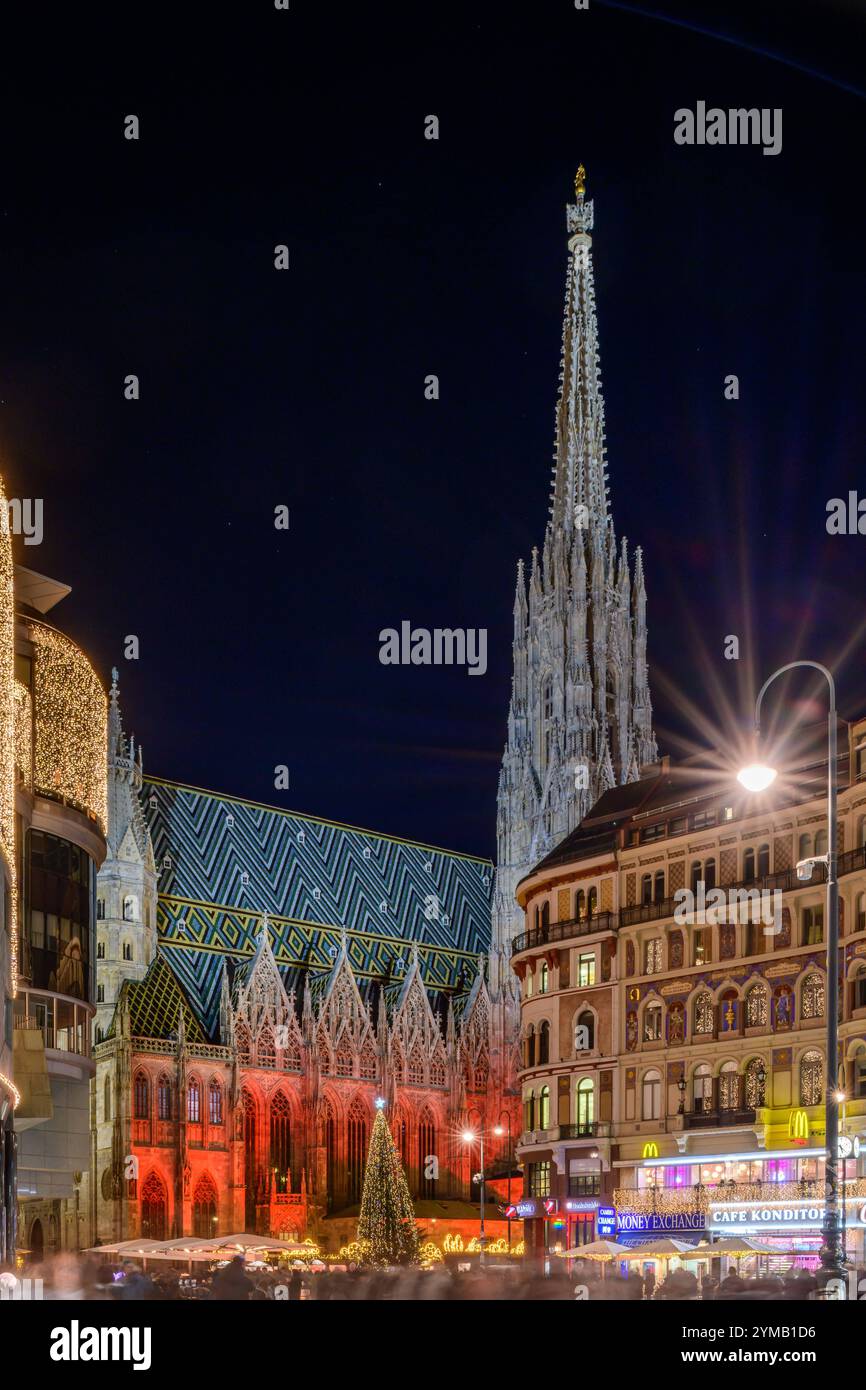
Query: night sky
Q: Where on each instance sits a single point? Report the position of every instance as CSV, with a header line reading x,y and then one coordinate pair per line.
x,y
409,257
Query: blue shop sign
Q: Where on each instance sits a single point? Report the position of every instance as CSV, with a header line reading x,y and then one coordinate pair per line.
x,y
605,1222
669,1221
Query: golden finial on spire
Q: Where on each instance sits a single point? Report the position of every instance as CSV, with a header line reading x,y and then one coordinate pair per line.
x,y
580,181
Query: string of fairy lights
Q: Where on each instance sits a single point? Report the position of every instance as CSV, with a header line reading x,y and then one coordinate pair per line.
x,y
71,725
7,730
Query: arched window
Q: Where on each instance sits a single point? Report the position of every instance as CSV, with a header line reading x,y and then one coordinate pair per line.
x,y
106,1099
821,842
702,1089
805,847
529,1111
659,886
426,1155
281,1142
652,1023
704,1013
811,1078
164,1107
544,1108
356,1149
749,866
544,1045
860,987
592,902
204,1207
215,1102
861,833
651,1096
580,903
100,994
127,950
858,1073
812,997
415,1066
756,1084
710,873
861,912
756,1007
243,1044
585,1097
100,909
646,888
141,1097
729,1087
545,919
763,861
130,908
100,950
586,1020
529,1048
193,1101
251,1165
154,1203
695,874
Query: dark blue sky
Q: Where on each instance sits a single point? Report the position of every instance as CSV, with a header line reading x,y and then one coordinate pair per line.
x,y
410,257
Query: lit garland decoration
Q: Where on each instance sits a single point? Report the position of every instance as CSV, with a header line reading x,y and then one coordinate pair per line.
x,y
430,1253
11,1088
24,735
387,1220
71,727
8,779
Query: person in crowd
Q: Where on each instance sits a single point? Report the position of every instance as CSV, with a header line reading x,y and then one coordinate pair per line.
x,y
232,1281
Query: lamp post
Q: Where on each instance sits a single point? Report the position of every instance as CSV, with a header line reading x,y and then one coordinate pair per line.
x,y
843,1150
469,1137
499,1131
757,778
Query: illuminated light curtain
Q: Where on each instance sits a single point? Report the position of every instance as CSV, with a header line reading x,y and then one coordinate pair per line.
x,y
812,1005
704,1013
756,1007
729,1087
755,1086
71,724
8,778
811,1078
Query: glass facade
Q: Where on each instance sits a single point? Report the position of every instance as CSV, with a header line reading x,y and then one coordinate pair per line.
x,y
58,915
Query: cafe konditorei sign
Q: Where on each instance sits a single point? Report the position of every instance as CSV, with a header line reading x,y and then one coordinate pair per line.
x,y
779,1216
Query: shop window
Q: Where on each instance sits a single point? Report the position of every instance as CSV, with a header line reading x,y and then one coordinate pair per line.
x,y
539,1179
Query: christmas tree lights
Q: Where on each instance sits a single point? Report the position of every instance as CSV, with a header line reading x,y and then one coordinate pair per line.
x,y
386,1227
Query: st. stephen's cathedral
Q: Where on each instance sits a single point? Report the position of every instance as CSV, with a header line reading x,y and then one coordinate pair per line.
x,y
265,977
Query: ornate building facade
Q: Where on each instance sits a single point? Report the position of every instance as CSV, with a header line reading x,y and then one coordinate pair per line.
x,y
302,971
580,718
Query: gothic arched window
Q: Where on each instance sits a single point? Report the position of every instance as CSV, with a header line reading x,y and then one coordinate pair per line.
x,y
281,1142
154,1204
426,1155
164,1107
356,1149
193,1101
141,1097
204,1207
251,1167
546,721
243,1045
266,1052
106,1099
215,1102
130,908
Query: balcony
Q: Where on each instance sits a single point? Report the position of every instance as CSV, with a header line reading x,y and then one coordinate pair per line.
x,y
716,1119
564,1133
672,1200
563,931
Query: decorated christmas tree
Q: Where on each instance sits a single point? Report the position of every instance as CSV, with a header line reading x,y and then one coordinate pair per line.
x,y
386,1227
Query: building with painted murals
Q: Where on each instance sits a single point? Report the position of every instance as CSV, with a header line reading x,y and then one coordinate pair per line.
x,y
674,1065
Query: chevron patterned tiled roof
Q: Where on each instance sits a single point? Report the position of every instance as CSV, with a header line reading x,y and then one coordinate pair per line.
x,y
225,863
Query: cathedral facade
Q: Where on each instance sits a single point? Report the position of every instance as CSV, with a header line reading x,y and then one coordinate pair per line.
x,y
580,717
265,979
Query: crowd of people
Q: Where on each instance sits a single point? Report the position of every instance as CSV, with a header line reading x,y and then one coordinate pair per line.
x,y
90,1277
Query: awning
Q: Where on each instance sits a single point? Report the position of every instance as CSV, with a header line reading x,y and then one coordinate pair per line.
x,y
633,1238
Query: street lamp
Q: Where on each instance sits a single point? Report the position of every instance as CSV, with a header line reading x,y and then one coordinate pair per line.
x,y
755,778
469,1137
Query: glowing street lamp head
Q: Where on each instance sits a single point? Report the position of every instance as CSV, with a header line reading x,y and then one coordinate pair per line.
x,y
468,1136
757,777
498,1129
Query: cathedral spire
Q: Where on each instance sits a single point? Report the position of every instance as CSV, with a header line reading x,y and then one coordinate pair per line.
x,y
580,493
